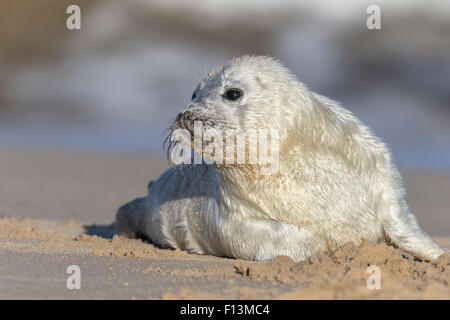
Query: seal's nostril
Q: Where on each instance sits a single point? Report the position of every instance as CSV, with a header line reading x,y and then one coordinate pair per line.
x,y
184,117
188,115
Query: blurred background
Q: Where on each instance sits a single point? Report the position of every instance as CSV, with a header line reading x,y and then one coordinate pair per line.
x,y
117,83
120,80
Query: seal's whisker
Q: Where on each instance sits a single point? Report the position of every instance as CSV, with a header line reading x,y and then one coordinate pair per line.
x,y
168,136
182,170
192,81
202,71
199,75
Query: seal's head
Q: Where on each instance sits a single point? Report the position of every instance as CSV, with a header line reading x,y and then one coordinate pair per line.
x,y
246,92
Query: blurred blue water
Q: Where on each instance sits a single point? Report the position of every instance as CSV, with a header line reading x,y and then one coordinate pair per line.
x,y
122,97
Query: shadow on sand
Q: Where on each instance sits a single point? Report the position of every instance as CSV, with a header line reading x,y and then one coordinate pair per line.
x,y
104,230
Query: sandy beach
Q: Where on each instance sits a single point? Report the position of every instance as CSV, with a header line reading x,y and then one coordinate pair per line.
x,y
57,210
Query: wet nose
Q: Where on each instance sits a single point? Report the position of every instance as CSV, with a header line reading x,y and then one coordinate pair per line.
x,y
184,116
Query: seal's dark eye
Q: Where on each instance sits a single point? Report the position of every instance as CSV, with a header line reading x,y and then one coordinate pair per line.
x,y
193,96
233,94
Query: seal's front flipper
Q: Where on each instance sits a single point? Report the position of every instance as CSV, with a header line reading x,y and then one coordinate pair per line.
x,y
129,219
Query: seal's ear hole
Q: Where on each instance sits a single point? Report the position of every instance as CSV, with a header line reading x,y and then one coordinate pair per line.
x,y
233,94
262,83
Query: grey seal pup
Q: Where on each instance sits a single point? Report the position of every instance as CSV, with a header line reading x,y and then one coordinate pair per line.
x,y
334,182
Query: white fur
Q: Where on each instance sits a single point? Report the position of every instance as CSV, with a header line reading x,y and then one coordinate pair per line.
x,y
336,181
